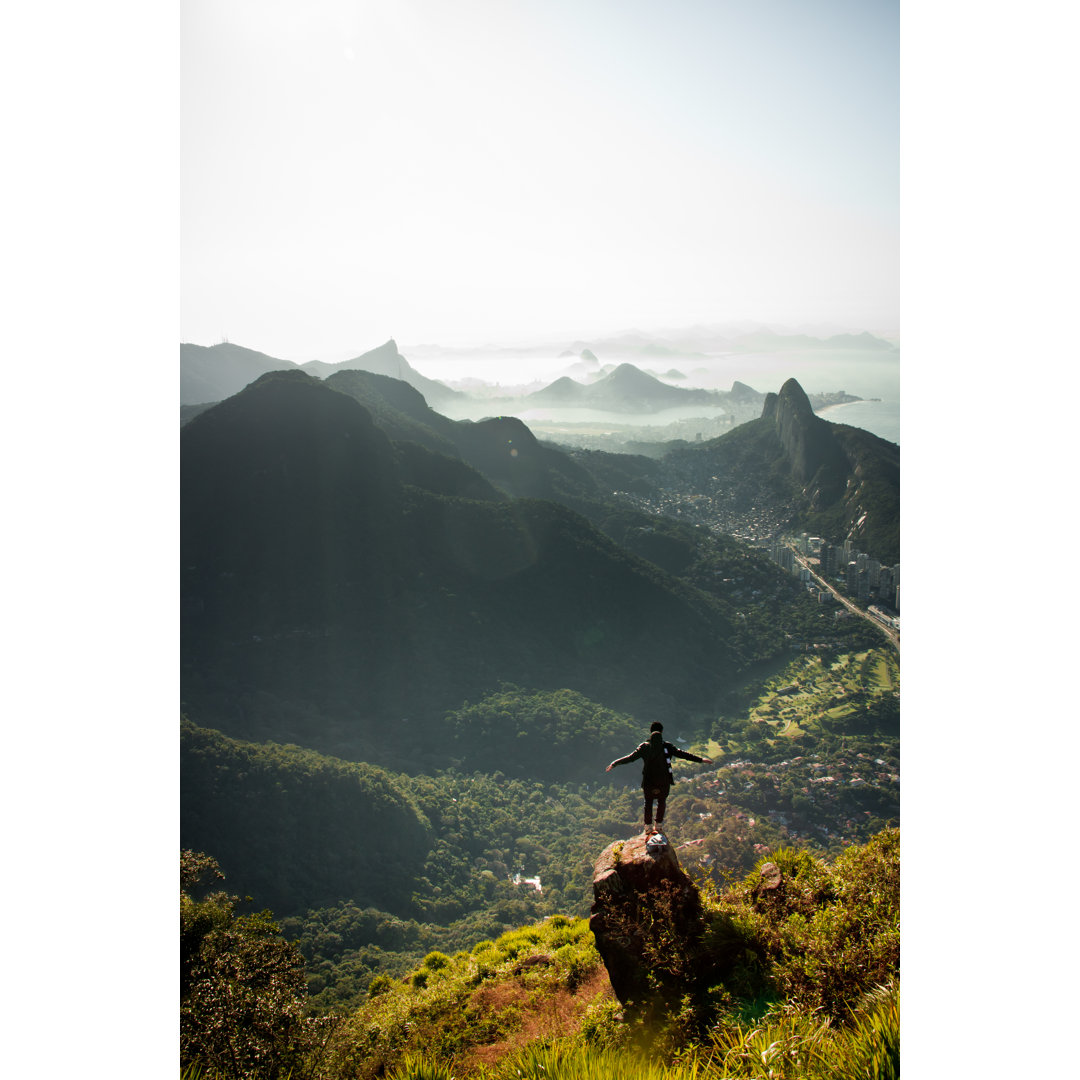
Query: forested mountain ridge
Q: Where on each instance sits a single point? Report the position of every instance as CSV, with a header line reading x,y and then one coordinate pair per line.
x,y
300,829
838,481
322,590
362,577
501,448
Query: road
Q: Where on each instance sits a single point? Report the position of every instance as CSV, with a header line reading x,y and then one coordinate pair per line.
x,y
888,631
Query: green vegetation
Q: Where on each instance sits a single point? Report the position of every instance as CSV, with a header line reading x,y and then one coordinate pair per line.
x,y
529,983
347,580
242,995
556,735
796,974
296,828
324,590
458,853
445,667
822,695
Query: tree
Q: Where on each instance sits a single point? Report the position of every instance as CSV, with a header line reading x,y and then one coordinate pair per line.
x,y
242,987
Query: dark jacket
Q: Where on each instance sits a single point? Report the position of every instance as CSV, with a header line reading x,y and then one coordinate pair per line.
x,y
656,769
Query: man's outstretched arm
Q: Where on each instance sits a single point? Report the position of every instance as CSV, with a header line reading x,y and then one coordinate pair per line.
x,y
624,760
676,752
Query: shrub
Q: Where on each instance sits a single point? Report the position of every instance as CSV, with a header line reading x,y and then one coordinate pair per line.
x,y
243,989
821,939
435,961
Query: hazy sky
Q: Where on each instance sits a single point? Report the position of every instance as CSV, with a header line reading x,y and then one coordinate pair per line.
x,y
499,170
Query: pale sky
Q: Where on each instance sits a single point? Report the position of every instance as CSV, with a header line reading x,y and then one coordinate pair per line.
x,y
504,170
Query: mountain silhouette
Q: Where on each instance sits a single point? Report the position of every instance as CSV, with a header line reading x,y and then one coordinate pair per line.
x,y
211,373
501,448
625,389
386,360
323,590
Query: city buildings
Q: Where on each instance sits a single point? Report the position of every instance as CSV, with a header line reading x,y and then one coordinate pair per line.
x,y
860,575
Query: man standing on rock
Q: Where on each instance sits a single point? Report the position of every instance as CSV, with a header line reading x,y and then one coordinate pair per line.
x,y
656,775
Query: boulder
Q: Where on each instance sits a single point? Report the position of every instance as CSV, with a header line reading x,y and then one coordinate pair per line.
x,y
647,920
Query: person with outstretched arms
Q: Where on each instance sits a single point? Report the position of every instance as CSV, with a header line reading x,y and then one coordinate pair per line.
x,y
656,774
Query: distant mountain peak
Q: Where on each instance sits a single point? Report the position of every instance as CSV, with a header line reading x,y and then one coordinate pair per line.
x,y
793,396
741,392
629,374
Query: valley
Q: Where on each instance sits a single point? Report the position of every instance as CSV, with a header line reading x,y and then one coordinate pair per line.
x,y
410,643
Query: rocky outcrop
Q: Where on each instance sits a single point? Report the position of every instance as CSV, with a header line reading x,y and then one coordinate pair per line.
x,y
814,458
647,920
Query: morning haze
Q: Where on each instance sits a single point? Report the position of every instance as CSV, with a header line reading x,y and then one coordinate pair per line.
x,y
475,173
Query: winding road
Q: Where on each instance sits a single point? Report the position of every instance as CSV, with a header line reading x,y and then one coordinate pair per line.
x,y
888,631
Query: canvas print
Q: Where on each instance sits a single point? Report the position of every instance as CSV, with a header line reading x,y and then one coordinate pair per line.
x,y
539,539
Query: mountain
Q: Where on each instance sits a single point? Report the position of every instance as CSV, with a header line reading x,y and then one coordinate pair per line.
x,y
211,374
219,371
323,590
768,341
270,812
742,394
563,391
626,389
501,448
841,482
386,360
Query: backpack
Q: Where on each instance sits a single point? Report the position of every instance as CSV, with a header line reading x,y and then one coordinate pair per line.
x,y
656,765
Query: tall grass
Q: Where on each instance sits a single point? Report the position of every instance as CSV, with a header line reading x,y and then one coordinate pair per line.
x,y
800,1046
790,1045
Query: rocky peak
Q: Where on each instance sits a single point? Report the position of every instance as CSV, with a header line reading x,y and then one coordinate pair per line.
x,y
647,919
806,438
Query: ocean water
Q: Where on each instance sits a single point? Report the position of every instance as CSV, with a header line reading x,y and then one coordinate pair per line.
x,y
881,418
620,419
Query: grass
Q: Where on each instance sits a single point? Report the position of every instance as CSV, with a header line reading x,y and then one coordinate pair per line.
x,y
874,672
785,1045
473,1008
797,982
784,987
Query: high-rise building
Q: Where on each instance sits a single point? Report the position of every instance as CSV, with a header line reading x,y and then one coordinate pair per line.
x,y
852,577
829,560
885,584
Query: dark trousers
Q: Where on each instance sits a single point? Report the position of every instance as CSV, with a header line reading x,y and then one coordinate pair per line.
x,y
659,794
